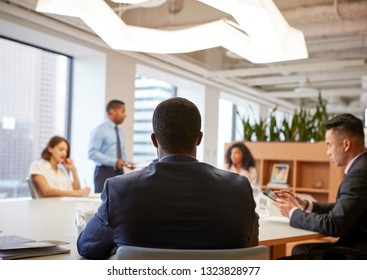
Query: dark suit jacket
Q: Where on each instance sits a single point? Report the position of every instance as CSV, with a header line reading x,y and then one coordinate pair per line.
x,y
347,217
176,202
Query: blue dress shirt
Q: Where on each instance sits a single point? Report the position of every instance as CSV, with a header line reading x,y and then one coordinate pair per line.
x,y
102,144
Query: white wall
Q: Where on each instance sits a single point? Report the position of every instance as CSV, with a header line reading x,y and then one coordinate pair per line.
x,y
211,124
87,109
120,84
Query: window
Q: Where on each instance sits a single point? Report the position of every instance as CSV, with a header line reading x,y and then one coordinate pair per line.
x,y
148,94
34,93
230,127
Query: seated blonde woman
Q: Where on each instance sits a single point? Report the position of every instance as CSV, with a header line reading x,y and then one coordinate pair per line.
x,y
50,175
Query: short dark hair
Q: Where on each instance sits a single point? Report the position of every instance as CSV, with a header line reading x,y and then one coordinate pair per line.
x,y
114,104
346,123
54,141
177,124
247,158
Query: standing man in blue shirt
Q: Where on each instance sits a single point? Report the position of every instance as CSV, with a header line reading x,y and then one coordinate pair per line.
x,y
107,146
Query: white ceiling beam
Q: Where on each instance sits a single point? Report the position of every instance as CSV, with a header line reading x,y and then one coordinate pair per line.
x,y
304,67
326,11
321,85
342,109
350,92
347,45
319,77
333,27
260,95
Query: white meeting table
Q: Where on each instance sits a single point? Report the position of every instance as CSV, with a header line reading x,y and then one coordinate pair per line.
x,y
54,219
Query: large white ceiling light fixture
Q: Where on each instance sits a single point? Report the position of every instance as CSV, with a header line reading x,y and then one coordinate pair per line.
x,y
261,34
129,1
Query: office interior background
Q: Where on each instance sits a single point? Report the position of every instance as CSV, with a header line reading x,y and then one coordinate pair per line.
x,y
56,76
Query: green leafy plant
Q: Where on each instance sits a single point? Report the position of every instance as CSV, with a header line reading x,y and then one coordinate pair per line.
x,y
260,130
305,125
319,119
274,130
248,129
290,127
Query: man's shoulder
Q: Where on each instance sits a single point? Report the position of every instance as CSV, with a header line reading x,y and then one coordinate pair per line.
x,y
360,163
364,156
223,172
230,178
102,125
100,129
128,177
207,172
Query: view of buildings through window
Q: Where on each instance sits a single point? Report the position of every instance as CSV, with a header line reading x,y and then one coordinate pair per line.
x,y
148,94
34,93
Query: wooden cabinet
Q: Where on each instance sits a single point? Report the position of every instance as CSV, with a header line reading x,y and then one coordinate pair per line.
x,y
310,169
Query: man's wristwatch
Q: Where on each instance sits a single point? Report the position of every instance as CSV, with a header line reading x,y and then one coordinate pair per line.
x,y
307,204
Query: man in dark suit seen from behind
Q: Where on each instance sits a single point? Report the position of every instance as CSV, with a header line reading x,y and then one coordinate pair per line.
x,y
347,217
176,202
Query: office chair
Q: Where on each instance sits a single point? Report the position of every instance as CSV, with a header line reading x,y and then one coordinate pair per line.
x,y
32,188
125,252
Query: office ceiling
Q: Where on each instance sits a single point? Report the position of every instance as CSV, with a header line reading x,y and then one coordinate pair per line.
x,y
336,38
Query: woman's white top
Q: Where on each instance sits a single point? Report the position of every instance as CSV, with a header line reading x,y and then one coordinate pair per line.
x,y
57,179
251,174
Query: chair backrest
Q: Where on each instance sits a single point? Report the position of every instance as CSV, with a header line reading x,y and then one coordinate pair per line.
x,y
32,188
143,253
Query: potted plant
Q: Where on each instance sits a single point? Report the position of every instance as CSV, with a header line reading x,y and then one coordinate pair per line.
x,y
302,126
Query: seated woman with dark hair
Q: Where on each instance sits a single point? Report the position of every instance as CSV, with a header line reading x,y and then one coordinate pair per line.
x,y
240,160
50,175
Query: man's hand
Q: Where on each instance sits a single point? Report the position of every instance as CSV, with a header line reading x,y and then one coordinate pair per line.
x,y
284,206
292,198
130,165
121,163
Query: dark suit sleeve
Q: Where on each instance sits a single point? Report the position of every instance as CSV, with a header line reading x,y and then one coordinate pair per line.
x,y
254,238
322,208
349,207
96,241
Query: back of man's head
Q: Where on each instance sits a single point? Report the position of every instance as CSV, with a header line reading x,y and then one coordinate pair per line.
x,y
177,124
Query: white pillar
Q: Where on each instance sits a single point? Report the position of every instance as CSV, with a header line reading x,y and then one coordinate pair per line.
x,y
210,120
87,110
120,84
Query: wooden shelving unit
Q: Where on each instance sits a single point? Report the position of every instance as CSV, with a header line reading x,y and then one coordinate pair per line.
x,y
310,170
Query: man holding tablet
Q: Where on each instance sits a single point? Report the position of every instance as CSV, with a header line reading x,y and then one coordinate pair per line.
x,y
347,217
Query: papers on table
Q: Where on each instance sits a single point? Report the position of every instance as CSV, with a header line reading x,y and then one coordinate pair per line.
x,y
17,247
